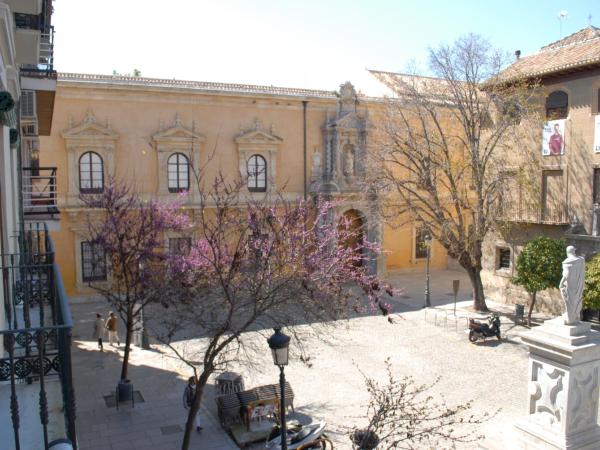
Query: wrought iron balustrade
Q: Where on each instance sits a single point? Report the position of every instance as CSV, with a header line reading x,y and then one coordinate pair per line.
x,y
538,214
39,191
37,344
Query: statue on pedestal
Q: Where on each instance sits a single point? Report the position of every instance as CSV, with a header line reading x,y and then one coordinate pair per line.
x,y
571,285
349,166
316,164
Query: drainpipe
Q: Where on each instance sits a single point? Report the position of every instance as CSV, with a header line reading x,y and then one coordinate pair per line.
x,y
304,103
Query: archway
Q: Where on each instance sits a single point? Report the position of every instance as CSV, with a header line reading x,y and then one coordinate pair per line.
x,y
355,221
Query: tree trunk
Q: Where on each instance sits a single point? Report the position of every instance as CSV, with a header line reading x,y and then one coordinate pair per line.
x,y
478,296
533,295
189,424
128,333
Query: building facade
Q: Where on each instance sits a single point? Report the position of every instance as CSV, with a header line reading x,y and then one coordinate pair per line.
x,y
568,148
152,132
37,402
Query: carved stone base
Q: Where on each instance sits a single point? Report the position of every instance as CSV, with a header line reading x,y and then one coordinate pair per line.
x,y
564,369
531,435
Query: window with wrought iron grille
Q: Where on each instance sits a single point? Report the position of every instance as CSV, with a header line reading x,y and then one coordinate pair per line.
x,y
93,262
557,105
503,258
257,174
91,173
178,172
180,245
420,244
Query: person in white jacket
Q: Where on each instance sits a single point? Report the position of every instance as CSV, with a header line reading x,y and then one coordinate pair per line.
x,y
99,331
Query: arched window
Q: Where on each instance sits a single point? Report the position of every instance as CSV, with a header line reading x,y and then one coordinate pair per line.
x,y
178,168
257,174
557,105
91,173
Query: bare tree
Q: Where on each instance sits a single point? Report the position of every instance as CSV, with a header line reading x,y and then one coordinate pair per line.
x,y
442,145
404,414
258,262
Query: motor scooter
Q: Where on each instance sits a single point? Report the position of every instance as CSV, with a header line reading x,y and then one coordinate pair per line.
x,y
479,330
297,435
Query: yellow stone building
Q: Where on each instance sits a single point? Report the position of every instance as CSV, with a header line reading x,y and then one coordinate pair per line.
x,y
150,131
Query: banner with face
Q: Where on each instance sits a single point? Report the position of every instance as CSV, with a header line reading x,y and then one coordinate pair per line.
x,y
553,138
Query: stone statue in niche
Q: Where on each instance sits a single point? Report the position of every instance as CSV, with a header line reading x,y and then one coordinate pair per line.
x,y
571,285
349,163
316,163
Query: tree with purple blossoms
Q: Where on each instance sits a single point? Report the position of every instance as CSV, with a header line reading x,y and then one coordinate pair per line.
x,y
259,261
130,231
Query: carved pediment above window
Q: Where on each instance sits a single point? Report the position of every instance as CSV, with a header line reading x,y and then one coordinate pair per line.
x,y
351,121
89,137
258,137
89,129
177,136
261,142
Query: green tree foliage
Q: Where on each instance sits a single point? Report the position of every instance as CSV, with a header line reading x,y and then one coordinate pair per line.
x,y
539,267
591,292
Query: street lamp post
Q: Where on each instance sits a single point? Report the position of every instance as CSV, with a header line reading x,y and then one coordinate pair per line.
x,y
427,239
279,344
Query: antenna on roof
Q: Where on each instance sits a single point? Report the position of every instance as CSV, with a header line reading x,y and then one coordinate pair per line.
x,y
562,16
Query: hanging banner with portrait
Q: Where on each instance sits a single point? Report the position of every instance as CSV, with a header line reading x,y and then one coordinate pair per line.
x,y
597,133
553,138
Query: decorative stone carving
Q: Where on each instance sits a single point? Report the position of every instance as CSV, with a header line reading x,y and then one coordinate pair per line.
x,y
176,139
345,139
259,141
571,285
545,389
564,365
88,136
348,97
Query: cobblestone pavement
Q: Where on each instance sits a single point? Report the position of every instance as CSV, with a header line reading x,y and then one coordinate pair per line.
x,y
493,375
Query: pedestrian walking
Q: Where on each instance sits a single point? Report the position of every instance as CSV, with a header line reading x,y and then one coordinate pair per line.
x,y
111,326
188,399
99,330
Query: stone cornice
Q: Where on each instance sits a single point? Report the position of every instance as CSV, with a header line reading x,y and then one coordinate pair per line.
x,y
201,87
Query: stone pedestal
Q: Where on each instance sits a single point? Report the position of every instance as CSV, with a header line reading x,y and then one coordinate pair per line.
x,y
564,370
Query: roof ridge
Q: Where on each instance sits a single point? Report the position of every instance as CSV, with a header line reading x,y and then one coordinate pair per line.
x,y
554,46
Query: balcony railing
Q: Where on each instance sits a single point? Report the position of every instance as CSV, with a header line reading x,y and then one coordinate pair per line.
x,y
41,21
537,214
35,364
39,192
45,66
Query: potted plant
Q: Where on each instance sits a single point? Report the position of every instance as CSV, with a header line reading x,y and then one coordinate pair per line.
x,y
364,439
591,291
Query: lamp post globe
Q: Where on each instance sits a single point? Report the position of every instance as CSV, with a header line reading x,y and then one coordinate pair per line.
x,y
427,239
279,344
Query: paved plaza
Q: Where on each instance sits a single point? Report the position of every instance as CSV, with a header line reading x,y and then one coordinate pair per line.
x,y
493,375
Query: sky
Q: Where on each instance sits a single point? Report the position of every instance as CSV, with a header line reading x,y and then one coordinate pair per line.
x,y
315,44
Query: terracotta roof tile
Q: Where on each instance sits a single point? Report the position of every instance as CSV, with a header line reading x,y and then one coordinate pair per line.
x,y
578,50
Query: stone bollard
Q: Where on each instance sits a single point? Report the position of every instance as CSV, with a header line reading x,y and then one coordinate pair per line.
x,y
564,370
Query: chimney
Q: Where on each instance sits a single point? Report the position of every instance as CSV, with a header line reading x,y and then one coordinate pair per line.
x,y
518,54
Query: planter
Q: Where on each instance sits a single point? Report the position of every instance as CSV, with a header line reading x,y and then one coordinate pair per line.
x,y
6,102
590,315
519,312
124,391
364,439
